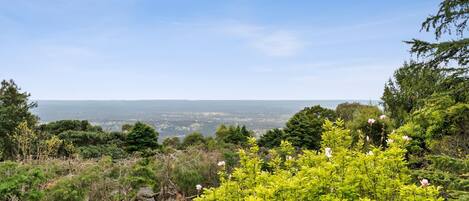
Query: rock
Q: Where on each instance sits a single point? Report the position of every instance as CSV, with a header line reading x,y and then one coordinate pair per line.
x,y
145,194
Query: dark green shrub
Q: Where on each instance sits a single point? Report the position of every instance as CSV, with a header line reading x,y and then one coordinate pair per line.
x,y
233,134
193,139
141,137
142,174
58,127
272,138
304,129
96,151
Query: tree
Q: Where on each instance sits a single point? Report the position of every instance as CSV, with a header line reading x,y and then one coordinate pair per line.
x,y
424,92
412,83
430,99
305,127
450,20
26,140
194,138
233,134
348,111
365,122
369,123
173,142
58,127
14,109
126,128
142,137
272,138
442,67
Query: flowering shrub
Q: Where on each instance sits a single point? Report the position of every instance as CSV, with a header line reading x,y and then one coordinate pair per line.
x,y
337,172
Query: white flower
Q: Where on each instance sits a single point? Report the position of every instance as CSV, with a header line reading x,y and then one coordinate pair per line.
x,y
289,158
370,153
198,187
367,138
424,182
389,141
221,163
406,138
371,121
328,152
382,117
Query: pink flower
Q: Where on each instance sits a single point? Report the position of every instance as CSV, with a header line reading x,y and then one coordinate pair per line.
x,y
424,182
371,121
382,117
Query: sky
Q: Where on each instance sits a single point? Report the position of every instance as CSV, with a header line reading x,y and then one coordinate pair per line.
x,y
217,50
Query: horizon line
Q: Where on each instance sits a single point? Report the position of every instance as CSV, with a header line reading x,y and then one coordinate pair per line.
x,y
339,99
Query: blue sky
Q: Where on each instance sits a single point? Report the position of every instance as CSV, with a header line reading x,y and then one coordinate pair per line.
x,y
242,49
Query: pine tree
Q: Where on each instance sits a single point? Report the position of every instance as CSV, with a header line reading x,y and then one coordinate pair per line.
x,y
14,109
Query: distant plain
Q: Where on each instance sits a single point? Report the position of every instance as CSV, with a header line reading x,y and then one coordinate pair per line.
x,y
180,117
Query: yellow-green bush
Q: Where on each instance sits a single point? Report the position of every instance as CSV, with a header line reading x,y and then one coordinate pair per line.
x,y
340,173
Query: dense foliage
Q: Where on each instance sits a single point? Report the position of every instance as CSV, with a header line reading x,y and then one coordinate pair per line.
x,y
14,109
450,20
58,127
193,139
430,99
336,173
305,127
233,134
272,138
141,138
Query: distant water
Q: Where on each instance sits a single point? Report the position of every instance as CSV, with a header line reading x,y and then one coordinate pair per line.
x,y
179,117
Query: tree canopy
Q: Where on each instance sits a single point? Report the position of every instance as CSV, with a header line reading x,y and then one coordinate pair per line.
x,y
305,127
233,134
14,109
450,20
58,127
272,138
142,137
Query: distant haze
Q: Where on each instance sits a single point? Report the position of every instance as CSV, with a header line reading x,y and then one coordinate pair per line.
x,y
179,117
219,50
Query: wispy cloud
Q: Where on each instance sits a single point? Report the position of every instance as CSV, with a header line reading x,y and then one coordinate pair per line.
x,y
272,42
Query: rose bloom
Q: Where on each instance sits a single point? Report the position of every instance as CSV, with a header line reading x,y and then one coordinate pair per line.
x,y
382,117
424,182
406,138
371,121
328,152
